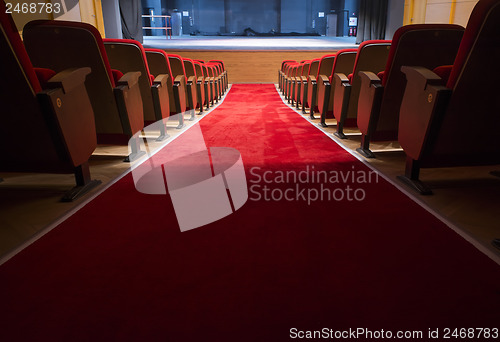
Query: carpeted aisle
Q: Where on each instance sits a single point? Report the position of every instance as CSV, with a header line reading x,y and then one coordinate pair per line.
x,y
121,270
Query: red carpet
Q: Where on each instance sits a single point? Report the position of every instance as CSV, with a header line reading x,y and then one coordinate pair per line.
x,y
121,270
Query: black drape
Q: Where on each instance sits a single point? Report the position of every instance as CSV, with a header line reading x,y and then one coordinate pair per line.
x,y
131,17
372,20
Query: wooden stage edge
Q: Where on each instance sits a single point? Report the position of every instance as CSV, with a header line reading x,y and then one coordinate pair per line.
x,y
252,66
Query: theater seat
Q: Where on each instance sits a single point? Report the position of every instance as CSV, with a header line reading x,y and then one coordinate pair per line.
x,y
295,79
324,69
427,45
223,72
455,123
290,81
304,69
287,85
204,85
209,79
344,63
49,128
218,77
198,96
177,67
128,55
281,73
212,72
159,64
313,70
372,56
117,107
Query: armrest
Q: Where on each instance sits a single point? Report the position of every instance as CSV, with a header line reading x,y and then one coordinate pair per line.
x,y
370,96
161,79
323,79
312,78
68,108
191,79
342,78
68,79
180,79
369,78
341,98
425,99
129,79
200,79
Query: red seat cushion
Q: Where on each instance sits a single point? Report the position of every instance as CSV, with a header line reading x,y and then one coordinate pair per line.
x,y
117,74
381,74
443,72
44,75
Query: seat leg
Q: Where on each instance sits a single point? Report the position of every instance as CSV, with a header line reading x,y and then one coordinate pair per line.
x,y
340,131
136,150
304,98
411,177
84,183
313,101
364,150
343,113
298,96
163,132
326,102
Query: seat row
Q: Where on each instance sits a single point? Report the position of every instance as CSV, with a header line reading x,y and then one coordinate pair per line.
x,y
65,90
433,88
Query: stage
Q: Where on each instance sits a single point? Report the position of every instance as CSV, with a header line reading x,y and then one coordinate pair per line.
x,y
250,59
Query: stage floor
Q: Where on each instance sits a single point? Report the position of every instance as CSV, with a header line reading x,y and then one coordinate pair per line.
x,y
250,43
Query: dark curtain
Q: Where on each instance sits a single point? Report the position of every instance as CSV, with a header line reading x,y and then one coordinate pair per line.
x,y
131,17
372,20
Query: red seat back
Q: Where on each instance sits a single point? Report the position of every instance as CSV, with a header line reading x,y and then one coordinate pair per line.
x,y
427,45
128,55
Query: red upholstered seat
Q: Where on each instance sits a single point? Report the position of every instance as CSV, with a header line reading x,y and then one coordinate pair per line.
x,y
197,94
47,116
379,103
159,64
371,56
343,63
455,122
178,69
128,55
117,103
325,66
204,82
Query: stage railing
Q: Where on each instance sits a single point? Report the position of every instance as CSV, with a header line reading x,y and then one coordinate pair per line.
x,y
167,27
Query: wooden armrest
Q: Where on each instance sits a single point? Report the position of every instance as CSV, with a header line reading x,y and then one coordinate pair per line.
x,y
68,79
161,79
312,78
179,79
421,77
324,79
129,79
370,76
340,77
424,100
